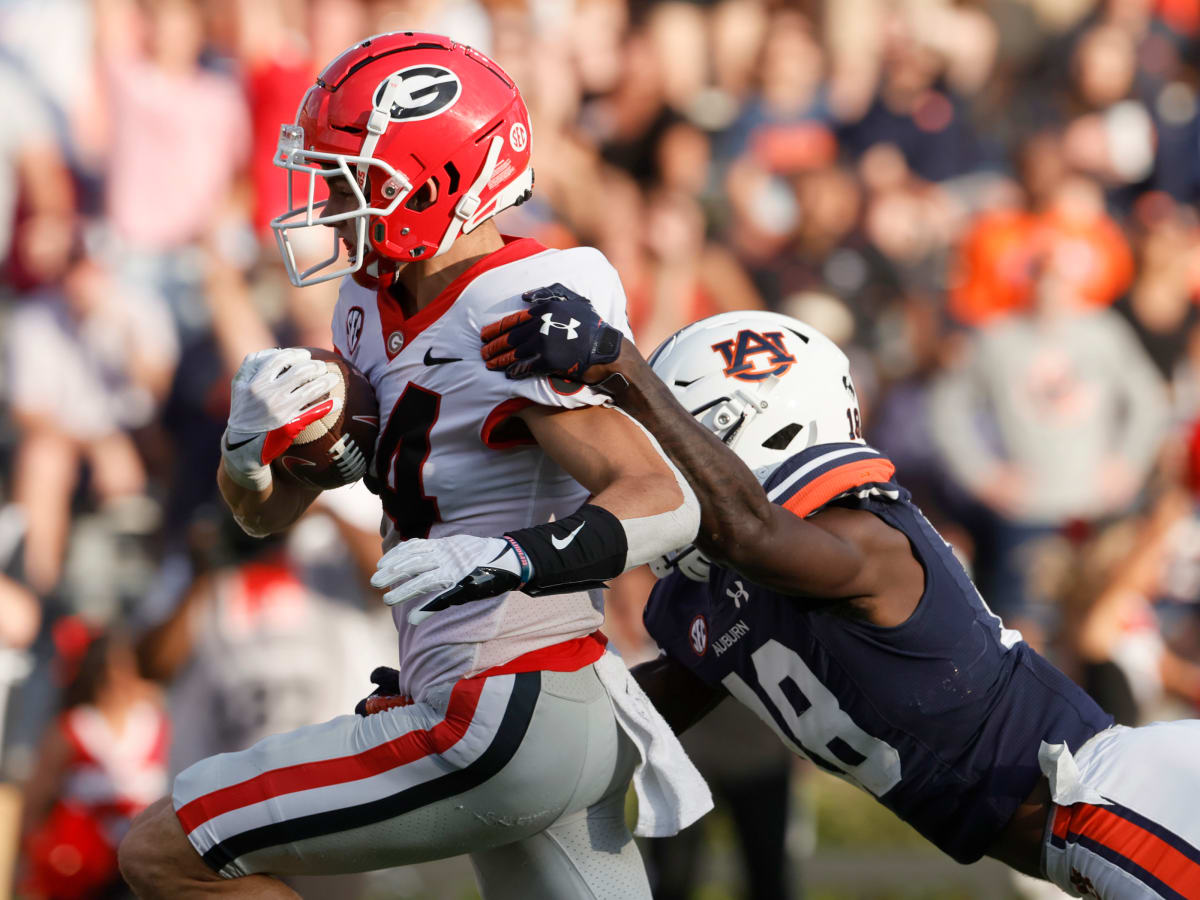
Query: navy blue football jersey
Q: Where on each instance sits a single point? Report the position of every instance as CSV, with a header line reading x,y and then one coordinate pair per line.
x,y
940,718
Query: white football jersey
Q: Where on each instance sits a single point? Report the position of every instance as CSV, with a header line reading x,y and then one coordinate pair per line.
x,y
451,459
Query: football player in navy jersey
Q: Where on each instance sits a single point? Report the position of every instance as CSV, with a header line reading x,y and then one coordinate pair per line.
x,y
817,594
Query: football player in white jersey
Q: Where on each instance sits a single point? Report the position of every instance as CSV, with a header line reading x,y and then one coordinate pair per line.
x,y
517,733
820,597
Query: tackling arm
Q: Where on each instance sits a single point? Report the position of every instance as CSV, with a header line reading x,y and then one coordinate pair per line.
x,y
738,525
681,697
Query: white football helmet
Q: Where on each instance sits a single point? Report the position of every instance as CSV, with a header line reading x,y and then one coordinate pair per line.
x,y
767,385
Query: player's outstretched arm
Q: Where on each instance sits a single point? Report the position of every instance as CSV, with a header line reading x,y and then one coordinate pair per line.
x,y
739,526
677,693
275,394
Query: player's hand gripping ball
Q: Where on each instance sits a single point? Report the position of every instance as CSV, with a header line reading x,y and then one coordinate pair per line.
x,y
560,334
302,413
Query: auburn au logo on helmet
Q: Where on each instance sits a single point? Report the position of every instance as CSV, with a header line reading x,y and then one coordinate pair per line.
x,y
743,355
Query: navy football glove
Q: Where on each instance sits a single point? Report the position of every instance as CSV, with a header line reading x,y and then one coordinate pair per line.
x,y
560,334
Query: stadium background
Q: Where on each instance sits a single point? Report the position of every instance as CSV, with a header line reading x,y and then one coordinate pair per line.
x,y
989,205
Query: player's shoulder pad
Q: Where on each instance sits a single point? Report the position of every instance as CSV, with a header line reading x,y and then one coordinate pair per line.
x,y
587,272
815,476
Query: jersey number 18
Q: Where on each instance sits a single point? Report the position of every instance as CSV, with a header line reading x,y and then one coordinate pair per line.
x,y
809,719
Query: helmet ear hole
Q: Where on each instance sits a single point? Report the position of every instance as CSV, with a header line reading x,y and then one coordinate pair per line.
x,y
780,439
424,196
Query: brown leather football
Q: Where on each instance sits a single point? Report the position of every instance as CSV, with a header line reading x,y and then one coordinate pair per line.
x,y
336,449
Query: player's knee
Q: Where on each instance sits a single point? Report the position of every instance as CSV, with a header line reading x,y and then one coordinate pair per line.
x,y
155,853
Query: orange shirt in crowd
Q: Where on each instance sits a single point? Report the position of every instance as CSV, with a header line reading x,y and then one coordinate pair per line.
x,y
993,273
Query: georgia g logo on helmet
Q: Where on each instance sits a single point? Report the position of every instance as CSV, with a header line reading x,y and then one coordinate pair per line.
x,y
742,355
425,91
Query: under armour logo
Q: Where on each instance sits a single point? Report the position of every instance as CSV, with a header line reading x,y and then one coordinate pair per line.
x,y
738,596
570,327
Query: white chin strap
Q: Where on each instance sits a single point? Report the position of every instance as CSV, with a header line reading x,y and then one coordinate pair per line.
x,y
468,203
377,123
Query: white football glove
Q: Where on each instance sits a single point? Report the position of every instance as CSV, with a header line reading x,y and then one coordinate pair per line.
x,y
275,395
457,569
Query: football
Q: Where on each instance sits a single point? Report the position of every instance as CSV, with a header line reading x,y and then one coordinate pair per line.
x,y
336,449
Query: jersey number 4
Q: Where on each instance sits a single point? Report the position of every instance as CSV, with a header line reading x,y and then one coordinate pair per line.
x,y
808,718
400,453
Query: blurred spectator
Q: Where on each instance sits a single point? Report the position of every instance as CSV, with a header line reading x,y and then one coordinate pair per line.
x,y
828,249
89,361
787,125
684,277
279,59
1161,303
1140,637
240,640
37,200
1113,137
179,136
1066,219
100,763
1052,415
922,48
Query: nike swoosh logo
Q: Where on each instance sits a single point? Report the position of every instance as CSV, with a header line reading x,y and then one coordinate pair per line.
x,y
563,543
231,447
431,360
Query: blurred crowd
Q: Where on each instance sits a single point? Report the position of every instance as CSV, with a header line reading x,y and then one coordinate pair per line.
x,y
989,204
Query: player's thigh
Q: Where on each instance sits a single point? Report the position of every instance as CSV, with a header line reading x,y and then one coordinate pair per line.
x,y
568,776
1144,841
1153,770
588,854
488,763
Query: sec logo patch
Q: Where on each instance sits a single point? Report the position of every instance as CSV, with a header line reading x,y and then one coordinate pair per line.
x,y
354,327
698,635
518,137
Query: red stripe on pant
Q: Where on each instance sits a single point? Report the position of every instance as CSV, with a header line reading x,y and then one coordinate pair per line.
x,y
1147,850
321,773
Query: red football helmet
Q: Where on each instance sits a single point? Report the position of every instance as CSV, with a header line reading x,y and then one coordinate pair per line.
x,y
432,137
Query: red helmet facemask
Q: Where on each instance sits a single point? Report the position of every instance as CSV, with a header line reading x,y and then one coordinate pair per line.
x,y
431,138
